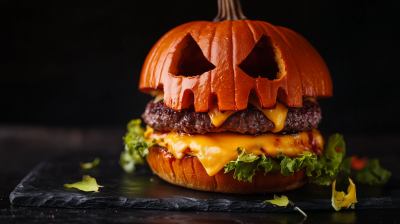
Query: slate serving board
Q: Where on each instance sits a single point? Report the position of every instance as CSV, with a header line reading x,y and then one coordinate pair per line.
x,y
43,186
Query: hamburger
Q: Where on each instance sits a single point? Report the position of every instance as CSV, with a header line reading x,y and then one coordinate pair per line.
x,y
235,109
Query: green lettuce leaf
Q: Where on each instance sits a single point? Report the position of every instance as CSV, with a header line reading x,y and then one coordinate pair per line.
x,y
345,165
322,169
269,164
247,164
332,161
290,165
372,173
88,183
282,201
87,166
334,152
136,146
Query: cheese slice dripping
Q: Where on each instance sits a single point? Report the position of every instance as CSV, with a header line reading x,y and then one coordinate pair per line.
x,y
215,150
276,115
217,117
150,135
312,99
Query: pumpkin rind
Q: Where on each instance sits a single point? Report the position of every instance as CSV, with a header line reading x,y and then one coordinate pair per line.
x,y
226,44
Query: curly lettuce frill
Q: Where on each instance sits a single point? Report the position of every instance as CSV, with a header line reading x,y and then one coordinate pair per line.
x,y
322,168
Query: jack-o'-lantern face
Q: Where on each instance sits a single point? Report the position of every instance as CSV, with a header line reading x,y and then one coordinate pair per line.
x,y
199,61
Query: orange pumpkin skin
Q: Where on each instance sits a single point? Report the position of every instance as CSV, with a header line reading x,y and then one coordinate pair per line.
x,y
226,44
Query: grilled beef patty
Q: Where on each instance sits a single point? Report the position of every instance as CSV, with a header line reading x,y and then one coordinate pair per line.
x,y
251,120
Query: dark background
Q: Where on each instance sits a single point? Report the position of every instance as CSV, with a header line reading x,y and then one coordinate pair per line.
x,y
69,73
77,63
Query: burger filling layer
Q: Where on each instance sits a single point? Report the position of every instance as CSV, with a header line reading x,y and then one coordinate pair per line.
x,y
253,120
215,150
276,115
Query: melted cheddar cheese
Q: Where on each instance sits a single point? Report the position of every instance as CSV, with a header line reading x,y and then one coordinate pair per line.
x,y
217,117
312,99
277,115
215,150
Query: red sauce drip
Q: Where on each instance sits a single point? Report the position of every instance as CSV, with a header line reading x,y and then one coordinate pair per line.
x,y
276,143
313,142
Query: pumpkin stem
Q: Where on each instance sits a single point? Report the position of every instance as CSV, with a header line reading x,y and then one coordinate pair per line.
x,y
229,10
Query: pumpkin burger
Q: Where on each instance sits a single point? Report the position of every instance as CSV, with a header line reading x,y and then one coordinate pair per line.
x,y
235,107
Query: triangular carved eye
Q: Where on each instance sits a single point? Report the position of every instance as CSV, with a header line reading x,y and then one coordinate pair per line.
x,y
261,60
188,59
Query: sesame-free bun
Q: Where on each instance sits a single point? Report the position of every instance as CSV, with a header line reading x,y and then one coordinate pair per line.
x,y
189,172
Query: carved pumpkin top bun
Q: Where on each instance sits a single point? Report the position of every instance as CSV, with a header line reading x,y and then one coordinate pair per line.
x,y
198,62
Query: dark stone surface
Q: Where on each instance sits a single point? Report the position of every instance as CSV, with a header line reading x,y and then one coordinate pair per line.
x,y
43,186
22,148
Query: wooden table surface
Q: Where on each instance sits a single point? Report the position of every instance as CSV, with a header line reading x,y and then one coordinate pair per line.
x,y
23,147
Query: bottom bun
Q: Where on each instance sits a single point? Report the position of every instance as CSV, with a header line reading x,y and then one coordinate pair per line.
x,y
189,172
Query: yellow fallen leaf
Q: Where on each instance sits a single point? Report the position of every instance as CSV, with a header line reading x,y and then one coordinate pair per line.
x,y
91,165
279,201
88,183
340,199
